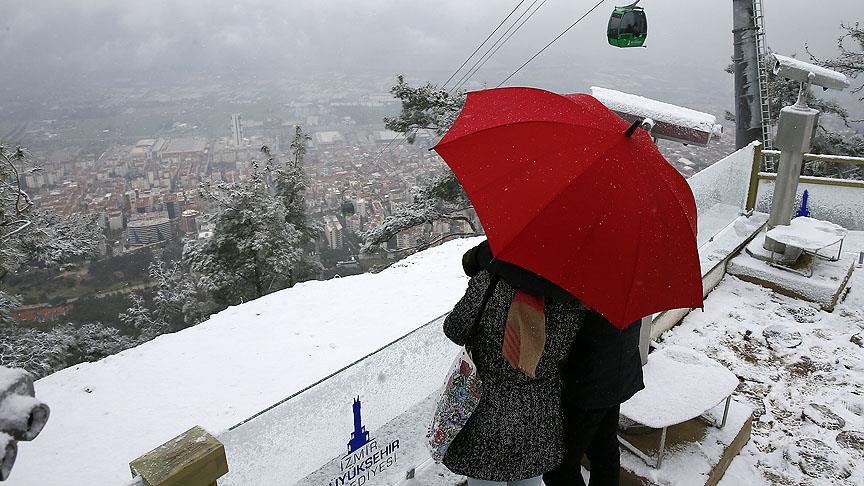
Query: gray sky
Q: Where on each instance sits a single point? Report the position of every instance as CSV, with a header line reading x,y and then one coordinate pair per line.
x,y
109,36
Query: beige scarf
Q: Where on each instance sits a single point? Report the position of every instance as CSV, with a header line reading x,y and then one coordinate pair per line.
x,y
525,333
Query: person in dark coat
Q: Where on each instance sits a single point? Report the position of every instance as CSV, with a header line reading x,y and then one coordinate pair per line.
x,y
603,371
516,432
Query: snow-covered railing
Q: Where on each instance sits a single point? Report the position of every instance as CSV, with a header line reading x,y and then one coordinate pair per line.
x,y
307,434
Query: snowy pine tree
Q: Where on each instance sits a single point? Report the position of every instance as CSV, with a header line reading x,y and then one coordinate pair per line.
x,y
850,61
44,352
142,319
58,239
176,300
443,199
253,247
289,183
427,107
29,236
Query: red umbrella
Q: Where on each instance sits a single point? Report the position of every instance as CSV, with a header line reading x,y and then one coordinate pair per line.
x,y
562,192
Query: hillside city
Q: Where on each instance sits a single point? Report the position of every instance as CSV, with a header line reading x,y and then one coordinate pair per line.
x,y
145,191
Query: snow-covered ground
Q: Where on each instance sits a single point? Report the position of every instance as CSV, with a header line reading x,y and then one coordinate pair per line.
x,y
802,369
239,362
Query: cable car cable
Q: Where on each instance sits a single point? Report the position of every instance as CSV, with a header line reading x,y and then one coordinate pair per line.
x,y
486,55
483,43
405,138
550,43
505,41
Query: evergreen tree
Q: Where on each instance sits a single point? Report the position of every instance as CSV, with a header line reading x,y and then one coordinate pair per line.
x,y
289,183
442,199
850,61
141,319
176,300
426,107
29,236
253,247
44,352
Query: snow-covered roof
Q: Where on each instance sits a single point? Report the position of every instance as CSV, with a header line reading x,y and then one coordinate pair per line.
x,y
656,110
230,367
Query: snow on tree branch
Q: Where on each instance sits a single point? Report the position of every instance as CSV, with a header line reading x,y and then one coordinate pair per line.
x,y
425,107
440,200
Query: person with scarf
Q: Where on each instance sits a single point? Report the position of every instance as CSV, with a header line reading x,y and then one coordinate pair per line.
x,y
525,335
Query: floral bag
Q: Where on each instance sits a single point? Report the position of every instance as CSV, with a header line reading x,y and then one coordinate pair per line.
x,y
460,395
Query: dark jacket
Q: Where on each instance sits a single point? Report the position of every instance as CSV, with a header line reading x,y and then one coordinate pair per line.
x,y
516,432
604,368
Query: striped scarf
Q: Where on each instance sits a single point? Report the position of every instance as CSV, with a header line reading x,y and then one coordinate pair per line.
x,y
525,333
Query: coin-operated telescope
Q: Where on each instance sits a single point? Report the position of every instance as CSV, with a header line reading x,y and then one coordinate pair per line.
x,y
795,132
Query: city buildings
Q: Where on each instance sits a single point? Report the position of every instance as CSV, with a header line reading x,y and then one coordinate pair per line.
x,y
236,130
333,232
149,229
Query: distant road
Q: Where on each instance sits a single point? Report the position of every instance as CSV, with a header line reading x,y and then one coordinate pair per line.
x,y
124,290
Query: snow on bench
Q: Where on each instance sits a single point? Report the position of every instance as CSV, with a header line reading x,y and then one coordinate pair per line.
x,y
680,384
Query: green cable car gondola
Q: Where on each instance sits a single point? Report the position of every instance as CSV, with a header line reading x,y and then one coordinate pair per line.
x,y
628,26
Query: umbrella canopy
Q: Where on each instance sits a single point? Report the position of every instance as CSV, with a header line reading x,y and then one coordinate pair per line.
x,y
561,191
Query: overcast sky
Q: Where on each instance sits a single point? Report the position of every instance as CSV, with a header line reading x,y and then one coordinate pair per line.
x,y
109,36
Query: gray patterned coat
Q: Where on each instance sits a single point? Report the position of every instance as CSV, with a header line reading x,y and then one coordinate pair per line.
x,y
516,432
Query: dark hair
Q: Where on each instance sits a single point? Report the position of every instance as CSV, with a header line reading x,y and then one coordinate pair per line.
x,y
476,259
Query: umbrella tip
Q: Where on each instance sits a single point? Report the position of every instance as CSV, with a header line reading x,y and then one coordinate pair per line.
x,y
630,131
646,123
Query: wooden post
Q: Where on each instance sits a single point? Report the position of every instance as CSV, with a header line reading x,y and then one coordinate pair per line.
x,y
194,458
753,189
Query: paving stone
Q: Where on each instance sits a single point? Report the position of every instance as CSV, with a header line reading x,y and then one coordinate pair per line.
x,y
823,417
851,439
815,459
781,336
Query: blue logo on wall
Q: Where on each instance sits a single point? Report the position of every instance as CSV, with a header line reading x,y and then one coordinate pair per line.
x,y
364,460
359,437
